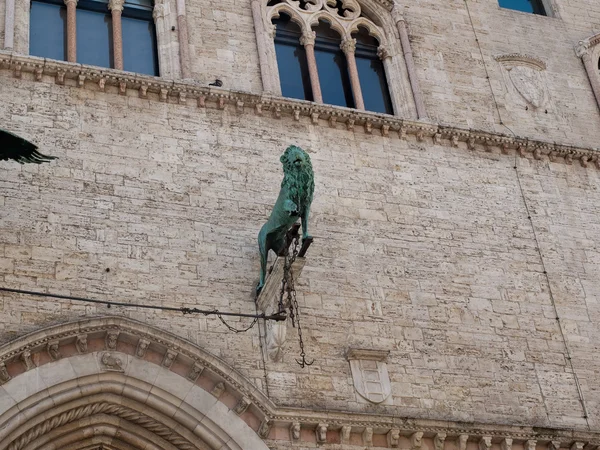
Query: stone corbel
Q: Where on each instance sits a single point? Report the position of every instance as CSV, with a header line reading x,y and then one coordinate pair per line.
x,y
485,443
462,441
368,437
438,441
142,346
81,343
27,361
416,440
168,359
295,431
321,433
506,444
345,434
241,406
393,438
4,376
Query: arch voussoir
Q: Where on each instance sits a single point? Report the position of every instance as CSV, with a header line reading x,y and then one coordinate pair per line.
x,y
146,385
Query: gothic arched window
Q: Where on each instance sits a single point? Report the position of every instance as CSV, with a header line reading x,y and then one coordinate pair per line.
x,y
327,51
117,34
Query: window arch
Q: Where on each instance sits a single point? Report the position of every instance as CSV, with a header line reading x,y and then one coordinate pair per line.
x,y
118,34
335,55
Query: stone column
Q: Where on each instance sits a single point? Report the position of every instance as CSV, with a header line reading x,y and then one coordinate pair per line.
x,y
71,30
584,51
308,41
410,63
116,8
267,58
184,45
348,46
9,25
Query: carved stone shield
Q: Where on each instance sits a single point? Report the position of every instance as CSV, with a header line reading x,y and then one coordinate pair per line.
x,y
371,379
529,83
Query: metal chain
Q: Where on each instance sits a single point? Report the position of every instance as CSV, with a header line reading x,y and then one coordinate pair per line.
x,y
287,286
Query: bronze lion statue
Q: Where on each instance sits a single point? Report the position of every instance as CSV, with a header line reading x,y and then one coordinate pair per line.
x,y
293,202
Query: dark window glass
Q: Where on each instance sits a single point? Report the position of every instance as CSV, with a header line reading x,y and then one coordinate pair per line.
x,y
139,4
332,67
48,30
371,74
291,60
530,6
94,34
139,45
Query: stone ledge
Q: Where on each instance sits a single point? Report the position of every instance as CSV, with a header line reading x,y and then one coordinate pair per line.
x,y
184,91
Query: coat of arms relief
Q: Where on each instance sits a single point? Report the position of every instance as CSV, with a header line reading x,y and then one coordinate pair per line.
x,y
525,79
370,375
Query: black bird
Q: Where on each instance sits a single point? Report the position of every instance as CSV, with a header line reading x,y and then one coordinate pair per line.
x,y
14,148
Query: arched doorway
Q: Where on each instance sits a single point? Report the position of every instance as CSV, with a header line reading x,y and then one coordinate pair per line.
x,y
114,383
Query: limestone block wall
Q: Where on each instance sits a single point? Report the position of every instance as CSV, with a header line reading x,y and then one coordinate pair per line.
x,y
160,203
455,45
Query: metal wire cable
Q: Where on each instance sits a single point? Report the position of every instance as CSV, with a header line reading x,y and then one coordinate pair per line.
x,y
184,310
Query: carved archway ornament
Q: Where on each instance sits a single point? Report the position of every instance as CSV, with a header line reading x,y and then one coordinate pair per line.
x,y
118,384
121,384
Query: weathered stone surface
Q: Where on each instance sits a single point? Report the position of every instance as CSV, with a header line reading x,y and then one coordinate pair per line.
x,y
424,244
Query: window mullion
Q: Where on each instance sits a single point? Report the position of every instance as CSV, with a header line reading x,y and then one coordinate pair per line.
x,y
116,9
348,46
71,30
308,41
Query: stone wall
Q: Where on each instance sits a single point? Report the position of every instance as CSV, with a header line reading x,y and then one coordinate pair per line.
x,y
160,203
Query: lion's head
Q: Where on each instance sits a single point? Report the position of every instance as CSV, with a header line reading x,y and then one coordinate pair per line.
x,y
298,175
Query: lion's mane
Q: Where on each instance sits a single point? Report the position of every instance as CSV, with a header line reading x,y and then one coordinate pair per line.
x,y
300,182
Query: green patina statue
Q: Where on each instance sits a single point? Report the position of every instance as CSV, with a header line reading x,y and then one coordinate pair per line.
x,y
14,148
293,202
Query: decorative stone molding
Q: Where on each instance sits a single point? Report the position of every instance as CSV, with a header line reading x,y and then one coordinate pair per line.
x,y
506,444
521,59
266,413
589,51
262,104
